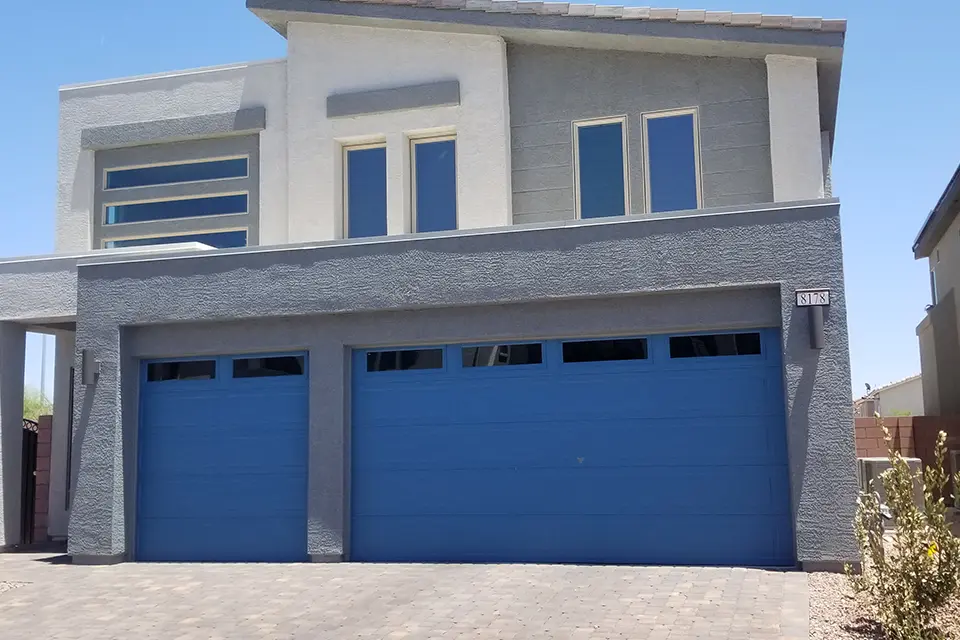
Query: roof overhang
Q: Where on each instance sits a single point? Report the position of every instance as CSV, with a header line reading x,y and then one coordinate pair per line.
x,y
940,219
668,31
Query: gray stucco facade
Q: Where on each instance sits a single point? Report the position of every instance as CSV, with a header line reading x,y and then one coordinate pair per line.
x,y
720,268
550,87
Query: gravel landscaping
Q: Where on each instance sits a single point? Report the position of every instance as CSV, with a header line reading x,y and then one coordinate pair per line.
x,y
835,614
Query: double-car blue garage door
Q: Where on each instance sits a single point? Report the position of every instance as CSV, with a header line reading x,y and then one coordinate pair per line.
x,y
222,466
663,449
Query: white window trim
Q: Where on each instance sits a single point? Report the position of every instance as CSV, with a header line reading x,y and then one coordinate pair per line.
x,y
425,139
575,128
108,171
346,148
103,243
214,216
650,115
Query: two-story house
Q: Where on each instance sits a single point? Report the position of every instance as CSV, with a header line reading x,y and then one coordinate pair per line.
x,y
939,331
456,280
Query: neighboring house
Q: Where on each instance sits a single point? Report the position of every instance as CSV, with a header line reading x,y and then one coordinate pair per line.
x,y
900,398
939,331
489,281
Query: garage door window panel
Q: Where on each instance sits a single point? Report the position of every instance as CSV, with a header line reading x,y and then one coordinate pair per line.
x,y
716,345
405,360
500,355
182,370
269,367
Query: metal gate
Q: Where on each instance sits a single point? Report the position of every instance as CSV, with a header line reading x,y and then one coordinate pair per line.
x,y
28,480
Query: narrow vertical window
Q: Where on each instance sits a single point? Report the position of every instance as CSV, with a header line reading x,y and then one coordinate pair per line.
x,y
365,191
434,184
671,150
600,167
933,286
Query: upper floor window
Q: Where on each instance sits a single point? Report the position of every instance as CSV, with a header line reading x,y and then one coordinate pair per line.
x,y
434,179
600,167
220,240
365,190
671,160
176,173
194,191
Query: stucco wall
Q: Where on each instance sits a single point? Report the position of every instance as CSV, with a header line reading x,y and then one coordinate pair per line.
x,y
552,86
904,399
609,259
198,92
323,60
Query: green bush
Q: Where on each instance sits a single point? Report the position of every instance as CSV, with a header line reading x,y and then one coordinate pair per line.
x,y
908,579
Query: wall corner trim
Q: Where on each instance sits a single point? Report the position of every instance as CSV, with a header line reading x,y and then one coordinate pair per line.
x,y
432,94
247,120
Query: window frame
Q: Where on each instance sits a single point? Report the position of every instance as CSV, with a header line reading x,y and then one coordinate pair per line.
x,y
506,369
645,117
413,141
345,148
576,125
177,153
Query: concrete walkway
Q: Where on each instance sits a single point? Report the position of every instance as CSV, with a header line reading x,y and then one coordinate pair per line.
x,y
40,598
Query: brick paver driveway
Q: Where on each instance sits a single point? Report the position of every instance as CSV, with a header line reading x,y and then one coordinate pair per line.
x,y
323,601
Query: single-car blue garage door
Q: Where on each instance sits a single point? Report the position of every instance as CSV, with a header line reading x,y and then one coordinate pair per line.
x,y
222,472
662,449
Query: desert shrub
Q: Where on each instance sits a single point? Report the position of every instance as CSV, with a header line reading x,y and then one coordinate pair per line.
x,y
909,576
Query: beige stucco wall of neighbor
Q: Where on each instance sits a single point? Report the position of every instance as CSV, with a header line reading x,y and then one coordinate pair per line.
x,y
198,92
904,399
325,59
944,261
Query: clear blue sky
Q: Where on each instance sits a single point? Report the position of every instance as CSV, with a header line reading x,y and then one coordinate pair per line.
x,y
898,133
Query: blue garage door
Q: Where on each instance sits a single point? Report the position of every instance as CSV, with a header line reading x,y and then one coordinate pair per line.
x,y
222,473
665,449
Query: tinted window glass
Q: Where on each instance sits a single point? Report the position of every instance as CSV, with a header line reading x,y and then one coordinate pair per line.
x,y
725,344
268,367
407,359
174,173
601,161
185,370
671,163
503,354
605,350
366,192
171,209
220,240
436,185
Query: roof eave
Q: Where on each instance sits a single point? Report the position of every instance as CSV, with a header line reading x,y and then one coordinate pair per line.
x,y
277,13
939,219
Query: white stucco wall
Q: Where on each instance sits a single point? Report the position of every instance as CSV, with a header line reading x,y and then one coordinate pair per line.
x,y
327,59
795,137
902,399
166,96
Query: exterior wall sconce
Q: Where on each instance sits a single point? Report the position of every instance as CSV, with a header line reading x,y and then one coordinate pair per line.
x,y
814,300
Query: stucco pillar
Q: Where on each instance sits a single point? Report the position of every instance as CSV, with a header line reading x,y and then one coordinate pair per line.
x,y
97,527
60,452
12,350
795,138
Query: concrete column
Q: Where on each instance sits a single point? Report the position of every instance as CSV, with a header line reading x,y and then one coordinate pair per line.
x,y
795,139
60,452
97,527
13,339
